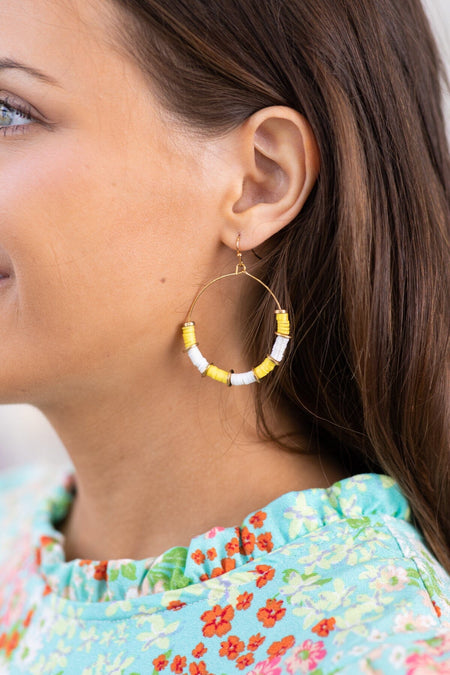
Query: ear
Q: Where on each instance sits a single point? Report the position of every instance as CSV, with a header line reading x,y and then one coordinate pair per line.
x,y
275,162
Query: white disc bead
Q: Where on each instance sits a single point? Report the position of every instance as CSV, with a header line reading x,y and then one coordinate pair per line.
x,y
198,359
242,378
279,348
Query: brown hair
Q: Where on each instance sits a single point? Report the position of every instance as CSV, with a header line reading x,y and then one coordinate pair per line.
x,y
363,267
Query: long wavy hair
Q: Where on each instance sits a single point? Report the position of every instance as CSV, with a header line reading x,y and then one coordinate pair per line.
x,y
363,266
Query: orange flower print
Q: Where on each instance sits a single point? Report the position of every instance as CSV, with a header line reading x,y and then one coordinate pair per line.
x,y
9,643
47,590
257,520
217,620
232,547
244,661
27,620
232,647
160,663
437,609
281,647
198,668
255,642
271,613
244,600
264,542
211,553
324,627
175,605
265,574
227,565
13,643
178,665
198,557
199,650
101,573
248,540
82,563
45,541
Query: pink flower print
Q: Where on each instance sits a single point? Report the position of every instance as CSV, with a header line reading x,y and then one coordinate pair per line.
x,y
305,657
407,621
212,533
424,664
268,667
392,578
437,646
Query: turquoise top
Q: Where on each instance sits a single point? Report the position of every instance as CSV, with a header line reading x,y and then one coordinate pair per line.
x,y
321,581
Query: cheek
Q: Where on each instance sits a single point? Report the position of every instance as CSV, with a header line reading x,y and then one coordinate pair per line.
x,y
54,229
89,246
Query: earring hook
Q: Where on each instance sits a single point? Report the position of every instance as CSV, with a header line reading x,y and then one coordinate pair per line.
x,y
240,267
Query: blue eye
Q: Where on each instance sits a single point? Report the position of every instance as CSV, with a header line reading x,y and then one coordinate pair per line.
x,y
12,116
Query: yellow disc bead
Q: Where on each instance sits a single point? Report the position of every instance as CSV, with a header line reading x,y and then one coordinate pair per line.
x,y
189,337
217,374
264,368
283,326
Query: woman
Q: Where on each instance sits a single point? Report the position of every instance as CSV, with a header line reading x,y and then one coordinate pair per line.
x,y
149,148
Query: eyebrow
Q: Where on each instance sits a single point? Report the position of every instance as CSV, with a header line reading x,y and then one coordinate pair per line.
x,y
6,64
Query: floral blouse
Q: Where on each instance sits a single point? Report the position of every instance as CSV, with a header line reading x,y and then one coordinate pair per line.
x,y
321,581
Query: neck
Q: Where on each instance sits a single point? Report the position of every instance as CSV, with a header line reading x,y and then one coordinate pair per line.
x,y
147,481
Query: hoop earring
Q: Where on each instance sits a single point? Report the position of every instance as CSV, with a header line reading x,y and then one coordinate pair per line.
x,y
229,377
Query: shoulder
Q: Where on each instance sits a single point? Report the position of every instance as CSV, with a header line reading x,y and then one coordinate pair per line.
x,y
362,594
15,475
22,491
32,480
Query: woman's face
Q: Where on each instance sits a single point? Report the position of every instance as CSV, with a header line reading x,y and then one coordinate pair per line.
x,y
99,197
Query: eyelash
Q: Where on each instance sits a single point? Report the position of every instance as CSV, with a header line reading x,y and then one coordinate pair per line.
x,y
23,110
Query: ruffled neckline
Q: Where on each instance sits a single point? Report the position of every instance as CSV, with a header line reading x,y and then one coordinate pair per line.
x,y
218,551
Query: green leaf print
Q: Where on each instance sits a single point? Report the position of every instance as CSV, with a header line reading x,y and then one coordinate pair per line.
x,y
435,642
113,575
431,581
179,580
356,523
287,575
176,557
129,571
167,571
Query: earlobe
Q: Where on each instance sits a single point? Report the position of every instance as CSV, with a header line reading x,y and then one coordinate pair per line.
x,y
278,161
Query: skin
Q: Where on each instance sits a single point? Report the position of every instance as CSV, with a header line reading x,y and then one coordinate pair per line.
x,y
111,218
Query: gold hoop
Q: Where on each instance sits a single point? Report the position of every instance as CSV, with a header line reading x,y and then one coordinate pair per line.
x,y
229,377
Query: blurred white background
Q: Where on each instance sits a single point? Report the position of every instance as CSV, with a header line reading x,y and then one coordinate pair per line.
x,y
26,436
